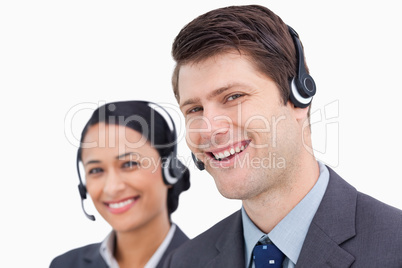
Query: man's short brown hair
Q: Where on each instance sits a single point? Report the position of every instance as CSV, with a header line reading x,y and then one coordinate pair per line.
x,y
254,31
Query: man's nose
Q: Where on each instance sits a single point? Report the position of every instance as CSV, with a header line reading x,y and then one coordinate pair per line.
x,y
213,127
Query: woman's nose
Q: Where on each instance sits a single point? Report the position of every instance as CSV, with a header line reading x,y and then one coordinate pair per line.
x,y
113,184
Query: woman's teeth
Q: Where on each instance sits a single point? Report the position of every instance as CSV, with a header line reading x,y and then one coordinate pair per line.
x,y
121,204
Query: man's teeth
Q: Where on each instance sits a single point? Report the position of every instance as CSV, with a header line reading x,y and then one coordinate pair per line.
x,y
121,204
226,153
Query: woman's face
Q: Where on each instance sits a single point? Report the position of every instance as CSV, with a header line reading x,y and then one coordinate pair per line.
x,y
123,177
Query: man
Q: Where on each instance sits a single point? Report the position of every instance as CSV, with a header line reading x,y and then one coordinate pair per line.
x,y
245,92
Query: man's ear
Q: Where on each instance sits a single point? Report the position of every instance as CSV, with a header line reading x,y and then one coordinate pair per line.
x,y
301,114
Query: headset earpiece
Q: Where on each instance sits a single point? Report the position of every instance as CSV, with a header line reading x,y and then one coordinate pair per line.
x,y
173,169
302,87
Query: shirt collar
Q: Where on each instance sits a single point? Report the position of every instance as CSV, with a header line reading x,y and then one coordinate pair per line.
x,y
154,260
107,249
289,234
108,245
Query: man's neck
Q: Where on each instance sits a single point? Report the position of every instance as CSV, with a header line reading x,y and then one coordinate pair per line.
x,y
269,208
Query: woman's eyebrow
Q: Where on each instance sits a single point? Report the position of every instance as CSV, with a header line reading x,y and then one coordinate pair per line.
x,y
122,156
92,162
128,154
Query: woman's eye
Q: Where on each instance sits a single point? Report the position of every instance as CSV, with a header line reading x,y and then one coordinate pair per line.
x,y
130,164
95,171
233,97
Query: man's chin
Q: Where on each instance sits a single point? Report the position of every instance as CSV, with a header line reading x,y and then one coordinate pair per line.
x,y
230,185
234,194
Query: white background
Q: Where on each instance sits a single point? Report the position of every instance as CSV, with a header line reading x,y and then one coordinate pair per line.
x,y
55,55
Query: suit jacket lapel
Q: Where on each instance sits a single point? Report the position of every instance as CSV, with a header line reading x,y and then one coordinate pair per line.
x,y
230,245
92,257
333,224
178,238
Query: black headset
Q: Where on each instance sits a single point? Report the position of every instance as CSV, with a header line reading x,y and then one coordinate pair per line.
x,y
198,163
302,86
81,187
172,168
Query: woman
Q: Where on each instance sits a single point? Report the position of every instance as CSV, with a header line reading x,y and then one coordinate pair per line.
x,y
128,151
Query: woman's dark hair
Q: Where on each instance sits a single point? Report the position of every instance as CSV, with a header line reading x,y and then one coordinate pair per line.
x,y
142,117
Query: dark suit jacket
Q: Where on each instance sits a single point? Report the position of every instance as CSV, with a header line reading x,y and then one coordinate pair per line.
x,y
89,256
350,229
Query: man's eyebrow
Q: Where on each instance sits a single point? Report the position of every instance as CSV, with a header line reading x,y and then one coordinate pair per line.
x,y
210,96
218,92
189,102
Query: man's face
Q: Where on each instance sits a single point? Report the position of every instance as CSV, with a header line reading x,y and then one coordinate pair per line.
x,y
237,124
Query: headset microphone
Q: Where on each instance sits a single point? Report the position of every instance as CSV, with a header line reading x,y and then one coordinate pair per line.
x,y
198,163
82,189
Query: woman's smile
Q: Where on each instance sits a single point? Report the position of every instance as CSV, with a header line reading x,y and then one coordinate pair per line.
x,y
122,206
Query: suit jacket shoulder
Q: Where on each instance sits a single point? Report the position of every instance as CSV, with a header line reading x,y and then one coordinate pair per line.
x,y
378,240
89,256
352,229
83,257
349,229
220,246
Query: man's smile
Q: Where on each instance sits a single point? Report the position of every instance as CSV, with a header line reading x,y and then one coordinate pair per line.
x,y
228,152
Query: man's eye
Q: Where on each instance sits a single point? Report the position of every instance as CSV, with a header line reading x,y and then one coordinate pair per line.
x,y
194,110
95,171
130,164
233,97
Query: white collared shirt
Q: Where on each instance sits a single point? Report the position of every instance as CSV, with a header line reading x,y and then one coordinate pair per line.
x,y
108,245
289,234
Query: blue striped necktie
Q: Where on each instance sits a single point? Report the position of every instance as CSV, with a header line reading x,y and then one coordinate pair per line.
x,y
267,255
